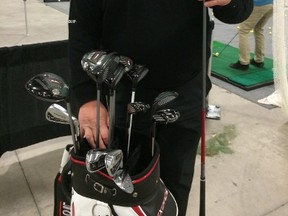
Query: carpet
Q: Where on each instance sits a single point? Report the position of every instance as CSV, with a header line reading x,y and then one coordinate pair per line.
x,y
247,80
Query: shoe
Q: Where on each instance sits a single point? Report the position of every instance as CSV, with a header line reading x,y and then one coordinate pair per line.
x,y
239,66
257,64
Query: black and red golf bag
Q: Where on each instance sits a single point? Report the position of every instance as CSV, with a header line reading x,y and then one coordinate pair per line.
x,y
82,193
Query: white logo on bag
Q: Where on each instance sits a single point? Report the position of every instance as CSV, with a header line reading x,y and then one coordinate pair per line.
x,y
66,209
101,209
160,212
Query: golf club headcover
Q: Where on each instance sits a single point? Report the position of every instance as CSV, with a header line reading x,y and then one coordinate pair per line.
x,y
97,194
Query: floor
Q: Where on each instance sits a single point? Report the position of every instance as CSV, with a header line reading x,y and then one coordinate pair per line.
x,y
247,177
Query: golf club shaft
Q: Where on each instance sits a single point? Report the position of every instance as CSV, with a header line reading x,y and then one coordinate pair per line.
x,y
130,122
111,117
98,116
202,207
72,128
227,44
153,138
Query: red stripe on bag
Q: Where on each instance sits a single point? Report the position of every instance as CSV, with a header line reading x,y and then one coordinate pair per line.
x,y
59,178
147,174
138,210
60,208
82,163
73,210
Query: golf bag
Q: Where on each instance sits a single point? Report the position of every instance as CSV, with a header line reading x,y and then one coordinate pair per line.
x,y
79,192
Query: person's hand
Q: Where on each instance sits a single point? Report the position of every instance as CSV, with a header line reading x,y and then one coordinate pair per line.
x,y
87,121
212,3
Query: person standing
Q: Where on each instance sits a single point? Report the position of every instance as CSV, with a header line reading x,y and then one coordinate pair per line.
x,y
262,12
166,37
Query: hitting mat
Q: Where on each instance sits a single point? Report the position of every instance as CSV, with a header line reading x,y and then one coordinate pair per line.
x,y
251,79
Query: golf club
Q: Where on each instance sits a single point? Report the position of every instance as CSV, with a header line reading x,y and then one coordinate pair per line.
x,y
97,65
122,177
136,107
58,114
95,160
112,80
52,88
127,62
165,116
162,99
202,202
113,161
136,74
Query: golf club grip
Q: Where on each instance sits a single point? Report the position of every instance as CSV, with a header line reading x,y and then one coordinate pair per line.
x,y
202,206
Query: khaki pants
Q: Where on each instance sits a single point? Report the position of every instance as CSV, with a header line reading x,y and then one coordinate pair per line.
x,y
256,21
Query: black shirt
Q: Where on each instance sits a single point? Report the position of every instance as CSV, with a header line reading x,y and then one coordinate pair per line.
x,y
164,35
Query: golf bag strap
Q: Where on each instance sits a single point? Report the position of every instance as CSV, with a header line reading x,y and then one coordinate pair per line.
x,y
100,188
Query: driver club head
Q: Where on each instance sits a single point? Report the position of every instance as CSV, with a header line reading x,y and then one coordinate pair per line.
x,y
48,87
99,64
90,60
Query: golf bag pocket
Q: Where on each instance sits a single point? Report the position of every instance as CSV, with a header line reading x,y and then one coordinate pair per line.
x,y
100,194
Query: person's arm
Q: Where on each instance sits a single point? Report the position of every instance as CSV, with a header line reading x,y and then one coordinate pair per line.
x,y
85,27
236,11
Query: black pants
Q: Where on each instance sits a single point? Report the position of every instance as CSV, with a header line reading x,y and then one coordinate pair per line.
x,y
178,141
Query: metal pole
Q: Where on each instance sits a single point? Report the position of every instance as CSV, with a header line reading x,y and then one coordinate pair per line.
x,y
26,20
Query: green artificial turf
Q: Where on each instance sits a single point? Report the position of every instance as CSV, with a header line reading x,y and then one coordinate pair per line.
x,y
252,78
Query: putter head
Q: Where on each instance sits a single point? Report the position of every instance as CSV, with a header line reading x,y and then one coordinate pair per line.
x,y
95,160
166,116
123,180
114,161
48,87
136,107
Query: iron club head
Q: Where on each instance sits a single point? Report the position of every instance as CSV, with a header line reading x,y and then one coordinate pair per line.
x,y
114,161
95,160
